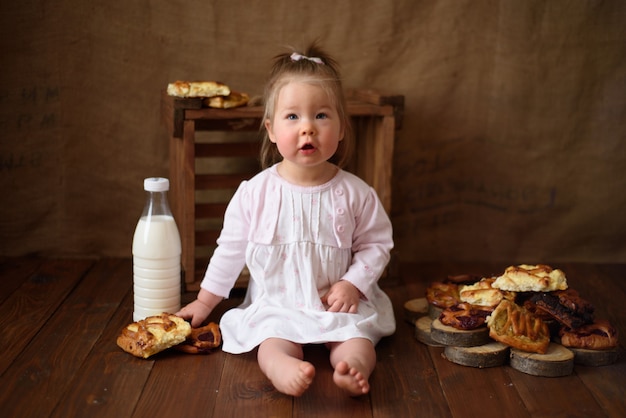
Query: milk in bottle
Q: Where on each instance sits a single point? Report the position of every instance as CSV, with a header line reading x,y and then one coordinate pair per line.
x,y
156,255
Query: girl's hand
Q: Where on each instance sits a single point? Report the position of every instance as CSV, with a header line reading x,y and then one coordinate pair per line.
x,y
199,309
196,311
343,296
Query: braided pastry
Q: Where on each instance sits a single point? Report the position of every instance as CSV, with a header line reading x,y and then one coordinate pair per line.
x,y
464,316
515,326
153,335
202,340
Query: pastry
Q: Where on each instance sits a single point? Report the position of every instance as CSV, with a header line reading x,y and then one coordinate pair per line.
x,y
234,99
515,326
566,306
197,89
153,334
599,335
464,316
201,340
482,293
443,295
531,278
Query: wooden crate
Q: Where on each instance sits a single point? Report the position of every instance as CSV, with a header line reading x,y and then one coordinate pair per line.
x,y
213,150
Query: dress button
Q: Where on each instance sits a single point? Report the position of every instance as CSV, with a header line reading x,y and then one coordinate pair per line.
x,y
339,192
340,211
340,228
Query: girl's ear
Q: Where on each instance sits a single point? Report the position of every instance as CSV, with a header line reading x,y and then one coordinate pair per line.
x,y
268,128
342,133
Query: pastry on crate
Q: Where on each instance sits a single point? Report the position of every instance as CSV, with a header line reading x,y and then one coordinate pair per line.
x,y
186,89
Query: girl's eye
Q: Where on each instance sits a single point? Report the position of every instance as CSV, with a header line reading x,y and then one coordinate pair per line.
x,y
321,116
292,116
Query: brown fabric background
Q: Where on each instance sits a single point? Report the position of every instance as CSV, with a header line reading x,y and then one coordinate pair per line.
x,y
512,147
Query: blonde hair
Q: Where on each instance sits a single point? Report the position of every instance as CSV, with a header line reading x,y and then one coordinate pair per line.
x,y
308,70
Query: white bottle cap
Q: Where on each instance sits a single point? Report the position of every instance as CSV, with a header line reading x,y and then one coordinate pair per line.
x,y
156,184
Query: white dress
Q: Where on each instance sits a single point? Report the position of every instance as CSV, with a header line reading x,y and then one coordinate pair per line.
x,y
295,267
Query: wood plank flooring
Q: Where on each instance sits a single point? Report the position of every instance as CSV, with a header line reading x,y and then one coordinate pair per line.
x,y
59,320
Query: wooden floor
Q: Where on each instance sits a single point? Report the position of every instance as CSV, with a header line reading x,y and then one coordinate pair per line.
x,y
59,320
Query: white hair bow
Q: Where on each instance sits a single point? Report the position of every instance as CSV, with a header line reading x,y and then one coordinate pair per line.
x,y
297,57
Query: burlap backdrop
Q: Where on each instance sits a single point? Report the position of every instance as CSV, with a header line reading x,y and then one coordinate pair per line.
x,y
512,146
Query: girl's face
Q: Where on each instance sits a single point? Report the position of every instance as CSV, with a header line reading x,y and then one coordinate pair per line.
x,y
306,127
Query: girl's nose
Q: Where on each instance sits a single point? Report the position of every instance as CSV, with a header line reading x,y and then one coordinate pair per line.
x,y
307,130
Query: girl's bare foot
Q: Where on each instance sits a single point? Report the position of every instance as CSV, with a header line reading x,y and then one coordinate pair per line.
x,y
350,379
282,362
293,377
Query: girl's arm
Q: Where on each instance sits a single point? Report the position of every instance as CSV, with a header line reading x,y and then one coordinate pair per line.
x,y
226,263
372,243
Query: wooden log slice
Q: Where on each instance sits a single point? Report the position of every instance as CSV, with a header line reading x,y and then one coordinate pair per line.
x,y
492,354
414,309
594,358
434,312
422,332
447,335
558,361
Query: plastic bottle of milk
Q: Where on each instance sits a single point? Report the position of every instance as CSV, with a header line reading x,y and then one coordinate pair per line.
x,y
156,255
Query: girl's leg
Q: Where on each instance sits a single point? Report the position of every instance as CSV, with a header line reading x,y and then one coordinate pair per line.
x,y
282,362
354,361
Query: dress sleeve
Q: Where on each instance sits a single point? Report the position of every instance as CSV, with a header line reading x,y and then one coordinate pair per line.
x,y
229,257
372,243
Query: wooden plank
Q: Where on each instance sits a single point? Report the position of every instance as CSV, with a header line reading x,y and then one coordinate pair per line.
x,y
355,108
229,125
607,384
110,381
174,378
323,399
44,369
207,237
221,181
603,286
210,210
245,392
404,383
187,216
72,366
539,393
227,149
30,306
244,112
175,375
14,272
472,392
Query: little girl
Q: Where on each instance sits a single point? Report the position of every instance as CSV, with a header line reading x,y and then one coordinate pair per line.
x,y
315,239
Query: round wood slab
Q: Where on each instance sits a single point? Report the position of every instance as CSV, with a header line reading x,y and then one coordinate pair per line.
x,y
594,358
434,312
422,332
557,361
492,354
447,335
414,309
